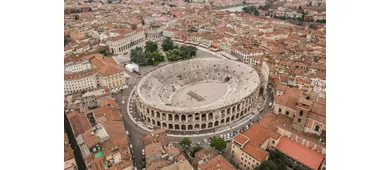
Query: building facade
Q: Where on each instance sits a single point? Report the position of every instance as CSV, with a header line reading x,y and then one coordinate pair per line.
x,y
122,43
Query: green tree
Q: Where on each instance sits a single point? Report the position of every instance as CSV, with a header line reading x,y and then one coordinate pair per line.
x,y
300,10
157,56
279,159
138,56
167,44
312,26
218,143
246,10
174,55
185,142
267,165
257,13
195,149
151,46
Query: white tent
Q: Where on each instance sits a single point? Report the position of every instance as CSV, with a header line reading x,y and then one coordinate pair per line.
x,y
132,67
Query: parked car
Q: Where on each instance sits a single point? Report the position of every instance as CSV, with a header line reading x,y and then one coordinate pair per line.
x,y
228,136
127,133
143,151
270,104
229,140
261,118
131,146
261,109
198,143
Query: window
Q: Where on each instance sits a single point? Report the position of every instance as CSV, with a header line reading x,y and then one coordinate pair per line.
x,y
287,113
301,113
273,142
280,110
317,128
242,158
299,120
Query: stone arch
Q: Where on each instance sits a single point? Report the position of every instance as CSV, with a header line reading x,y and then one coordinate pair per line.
x,y
147,110
223,112
158,115
153,122
190,127
210,125
197,115
190,118
204,117
152,113
149,120
176,117
234,109
183,127
164,116
228,120
170,117
164,125
183,117
158,124
197,126
232,118
177,127
242,113
170,126
222,121
204,126
228,111
216,123
144,117
237,115
211,116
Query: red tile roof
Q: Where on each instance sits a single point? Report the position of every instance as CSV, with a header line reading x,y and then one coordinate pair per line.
x,y
217,163
79,123
240,138
300,153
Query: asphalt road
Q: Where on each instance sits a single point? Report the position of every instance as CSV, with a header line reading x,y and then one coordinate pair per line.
x,y
137,134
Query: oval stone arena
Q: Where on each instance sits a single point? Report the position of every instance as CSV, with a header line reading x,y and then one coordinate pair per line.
x,y
197,94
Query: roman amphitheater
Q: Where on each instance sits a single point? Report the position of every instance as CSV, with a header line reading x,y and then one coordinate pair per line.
x,y
197,94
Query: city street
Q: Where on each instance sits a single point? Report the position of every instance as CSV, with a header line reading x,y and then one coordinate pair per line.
x,y
137,134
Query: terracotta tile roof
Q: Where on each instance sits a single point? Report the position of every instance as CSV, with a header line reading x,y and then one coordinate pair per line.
x,y
80,75
66,139
217,163
117,137
240,138
300,153
153,149
156,164
172,150
98,164
90,140
258,134
79,123
185,165
68,152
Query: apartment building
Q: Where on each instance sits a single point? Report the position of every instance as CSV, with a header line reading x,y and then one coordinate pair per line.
x,y
160,154
90,72
249,149
69,160
101,136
